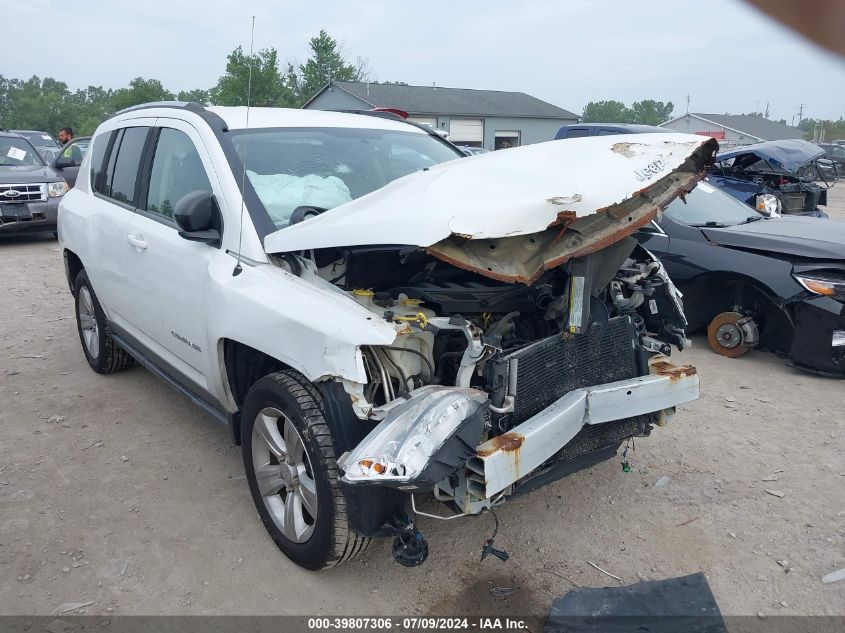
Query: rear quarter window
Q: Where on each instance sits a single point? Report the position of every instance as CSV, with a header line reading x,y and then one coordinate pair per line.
x,y
577,133
98,160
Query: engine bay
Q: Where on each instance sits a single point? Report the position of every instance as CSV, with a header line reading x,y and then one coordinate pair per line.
x,y
454,327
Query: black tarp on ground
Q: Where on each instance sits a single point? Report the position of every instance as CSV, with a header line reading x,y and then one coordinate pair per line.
x,y
659,606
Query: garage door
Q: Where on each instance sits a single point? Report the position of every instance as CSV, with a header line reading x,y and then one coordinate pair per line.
x,y
466,130
424,120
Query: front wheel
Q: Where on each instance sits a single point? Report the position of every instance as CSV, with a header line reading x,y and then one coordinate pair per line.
x,y
732,334
292,474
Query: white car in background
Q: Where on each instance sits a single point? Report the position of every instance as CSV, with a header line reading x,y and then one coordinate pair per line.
x,y
375,315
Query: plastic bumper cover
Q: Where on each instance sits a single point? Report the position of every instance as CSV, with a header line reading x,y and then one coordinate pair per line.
x,y
39,216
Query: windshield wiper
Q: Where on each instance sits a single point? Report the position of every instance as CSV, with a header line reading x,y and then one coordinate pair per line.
x,y
712,224
751,218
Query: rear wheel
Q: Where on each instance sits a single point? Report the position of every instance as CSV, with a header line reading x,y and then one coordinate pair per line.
x,y
292,474
103,354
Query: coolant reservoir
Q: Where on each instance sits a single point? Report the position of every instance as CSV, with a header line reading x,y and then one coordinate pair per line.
x,y
365,298
409,319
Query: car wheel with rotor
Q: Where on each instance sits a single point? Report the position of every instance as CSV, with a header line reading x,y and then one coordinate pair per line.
x,y
731,334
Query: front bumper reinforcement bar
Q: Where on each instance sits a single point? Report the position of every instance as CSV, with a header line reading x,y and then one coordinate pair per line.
x,y
505,459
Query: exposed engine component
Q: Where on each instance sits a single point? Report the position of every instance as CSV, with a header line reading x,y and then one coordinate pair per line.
x,y
643,290
451,324
503,353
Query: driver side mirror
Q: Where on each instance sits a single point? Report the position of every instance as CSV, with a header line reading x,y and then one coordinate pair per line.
x,y
63,161
198,218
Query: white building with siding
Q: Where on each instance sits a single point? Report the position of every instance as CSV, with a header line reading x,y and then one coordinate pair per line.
x,y
478,118
733,130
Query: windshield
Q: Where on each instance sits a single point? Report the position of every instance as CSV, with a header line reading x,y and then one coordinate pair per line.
x,y
326,167
835,151
39,139
707,205
17,152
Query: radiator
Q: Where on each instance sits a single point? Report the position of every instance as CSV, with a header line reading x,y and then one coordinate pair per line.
x,y
541,373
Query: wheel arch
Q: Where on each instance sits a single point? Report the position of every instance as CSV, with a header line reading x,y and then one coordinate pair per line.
x,y
73,266
242,367
712,293
245,365
708,292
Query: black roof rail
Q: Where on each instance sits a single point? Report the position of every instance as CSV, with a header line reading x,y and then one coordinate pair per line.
x,y
382,114
180,105
214,120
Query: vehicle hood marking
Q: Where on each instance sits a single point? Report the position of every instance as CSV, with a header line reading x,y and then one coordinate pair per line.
x,y
789,155
511,214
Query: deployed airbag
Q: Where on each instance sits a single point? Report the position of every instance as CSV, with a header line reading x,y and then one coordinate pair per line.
x,y
282,193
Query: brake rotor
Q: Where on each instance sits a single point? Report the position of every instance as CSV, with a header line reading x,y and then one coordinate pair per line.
x,y
725,335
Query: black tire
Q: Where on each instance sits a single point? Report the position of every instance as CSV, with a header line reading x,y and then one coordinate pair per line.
x,y
109,357
332,540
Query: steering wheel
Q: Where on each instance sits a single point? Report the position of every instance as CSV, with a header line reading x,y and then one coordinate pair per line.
x,y
303,213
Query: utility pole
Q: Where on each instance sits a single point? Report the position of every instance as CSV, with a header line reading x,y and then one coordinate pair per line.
x,y
687,103
801,113
767,110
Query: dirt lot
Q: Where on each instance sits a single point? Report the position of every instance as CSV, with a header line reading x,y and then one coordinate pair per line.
x,y
117,490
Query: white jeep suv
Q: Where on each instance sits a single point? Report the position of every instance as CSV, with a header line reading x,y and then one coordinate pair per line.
x,y
376,316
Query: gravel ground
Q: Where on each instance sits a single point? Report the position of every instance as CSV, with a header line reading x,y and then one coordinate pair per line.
x,y
116,490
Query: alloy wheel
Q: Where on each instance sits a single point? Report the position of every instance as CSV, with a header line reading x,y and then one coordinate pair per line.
x,y
284,475
88,322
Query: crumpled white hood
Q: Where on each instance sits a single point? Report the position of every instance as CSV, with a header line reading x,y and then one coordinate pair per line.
x,y
507,193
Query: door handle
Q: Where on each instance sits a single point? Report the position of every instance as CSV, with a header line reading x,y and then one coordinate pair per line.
x,y
137,242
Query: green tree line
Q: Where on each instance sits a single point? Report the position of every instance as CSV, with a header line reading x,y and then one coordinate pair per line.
x,y
48,104
646,112
650,112
824,130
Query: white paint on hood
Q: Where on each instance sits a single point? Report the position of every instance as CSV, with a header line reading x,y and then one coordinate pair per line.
x,y
510,192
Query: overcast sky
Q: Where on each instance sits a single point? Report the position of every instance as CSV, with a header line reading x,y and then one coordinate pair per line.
x,y
724,54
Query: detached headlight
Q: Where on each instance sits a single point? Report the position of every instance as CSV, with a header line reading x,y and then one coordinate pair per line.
x,y
421,441
768,204
821,284
56,189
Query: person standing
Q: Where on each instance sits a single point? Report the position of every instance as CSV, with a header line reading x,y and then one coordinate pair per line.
x,y
65,135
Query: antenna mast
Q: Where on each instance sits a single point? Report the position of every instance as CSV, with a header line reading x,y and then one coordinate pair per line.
x,y
238,267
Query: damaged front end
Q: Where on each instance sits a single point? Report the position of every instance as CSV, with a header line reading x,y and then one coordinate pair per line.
x,y
519,399
525,347
777,177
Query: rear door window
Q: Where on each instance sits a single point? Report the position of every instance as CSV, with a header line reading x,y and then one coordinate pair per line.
x,y
123,170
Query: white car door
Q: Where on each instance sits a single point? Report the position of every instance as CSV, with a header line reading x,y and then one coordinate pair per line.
x,y
170,275
114,183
